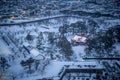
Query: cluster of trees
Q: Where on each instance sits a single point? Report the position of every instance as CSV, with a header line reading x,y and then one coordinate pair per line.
x,y
40,41
65,47
102,42
51,38
59,41
31,65
27,63
80,27
3,64
114,32
29,37
73,28
63,29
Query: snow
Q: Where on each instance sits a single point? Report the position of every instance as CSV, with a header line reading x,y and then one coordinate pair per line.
x,y
83,39
16,69
117,46
79,51
53,69
26,44
33,33
79,38
55,66
34,52
71,20
4,49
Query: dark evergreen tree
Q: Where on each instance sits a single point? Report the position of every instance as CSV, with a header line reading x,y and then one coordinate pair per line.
x,y
29,37
36,64
51,38
39,41
23,63
28,63
65,46
4,63
63,29
92,26
101,43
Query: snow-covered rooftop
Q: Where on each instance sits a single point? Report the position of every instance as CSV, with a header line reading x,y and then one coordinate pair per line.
x,y
79,38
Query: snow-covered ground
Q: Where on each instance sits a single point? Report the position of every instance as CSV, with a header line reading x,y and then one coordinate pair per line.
x,y
117,46
4,49
54,68
79,51
18,34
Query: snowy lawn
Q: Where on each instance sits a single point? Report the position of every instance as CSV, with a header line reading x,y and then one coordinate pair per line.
x,y
79,51
4,49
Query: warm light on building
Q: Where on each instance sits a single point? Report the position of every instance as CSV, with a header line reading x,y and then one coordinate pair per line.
x,y
12,17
